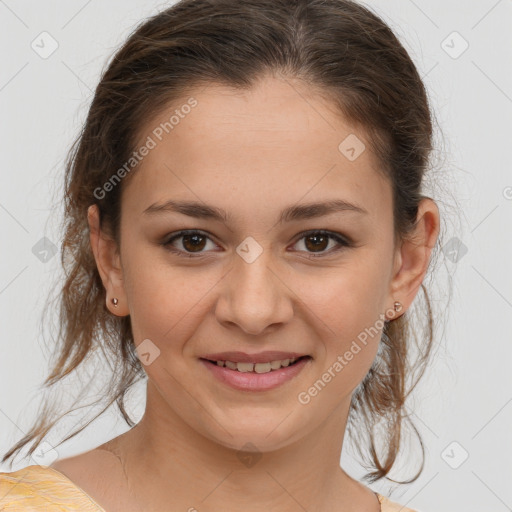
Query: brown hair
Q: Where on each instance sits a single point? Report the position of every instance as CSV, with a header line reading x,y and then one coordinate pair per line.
x,y
340,48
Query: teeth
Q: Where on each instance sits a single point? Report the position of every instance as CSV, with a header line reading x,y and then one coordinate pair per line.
x,y
257,367
275,365
262,367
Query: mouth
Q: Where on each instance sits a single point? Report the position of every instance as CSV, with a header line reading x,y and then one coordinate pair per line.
x,y
250,376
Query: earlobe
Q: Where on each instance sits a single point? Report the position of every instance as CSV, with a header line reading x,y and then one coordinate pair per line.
x,y
106,255
415,253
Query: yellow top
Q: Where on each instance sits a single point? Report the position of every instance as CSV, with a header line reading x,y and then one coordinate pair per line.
x,y
44,489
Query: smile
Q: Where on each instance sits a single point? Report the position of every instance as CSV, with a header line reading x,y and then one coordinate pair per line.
x,y
256,376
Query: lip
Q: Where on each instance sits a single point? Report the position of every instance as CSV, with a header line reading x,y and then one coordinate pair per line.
x,y
249,381
260,357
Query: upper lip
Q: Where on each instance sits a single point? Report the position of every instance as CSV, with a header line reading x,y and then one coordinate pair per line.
x,y
260,357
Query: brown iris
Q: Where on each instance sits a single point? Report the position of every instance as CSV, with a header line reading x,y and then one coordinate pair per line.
x,y
320,241
196,242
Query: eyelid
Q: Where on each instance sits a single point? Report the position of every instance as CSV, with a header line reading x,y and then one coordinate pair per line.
x,y
333,234
342,241
176,235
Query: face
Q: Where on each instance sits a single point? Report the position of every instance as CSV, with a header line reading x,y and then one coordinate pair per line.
x,y
256,280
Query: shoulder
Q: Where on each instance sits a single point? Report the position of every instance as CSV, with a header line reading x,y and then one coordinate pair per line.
x,y
41,488
390,506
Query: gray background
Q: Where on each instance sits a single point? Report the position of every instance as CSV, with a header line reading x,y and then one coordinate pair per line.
x,y
462,408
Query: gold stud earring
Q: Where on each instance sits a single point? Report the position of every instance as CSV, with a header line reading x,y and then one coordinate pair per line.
x,y
398,306
115,302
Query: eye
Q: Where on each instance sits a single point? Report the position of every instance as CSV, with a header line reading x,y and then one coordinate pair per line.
x,y
193,242
319,240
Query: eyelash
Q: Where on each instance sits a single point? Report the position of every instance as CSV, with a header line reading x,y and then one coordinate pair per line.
x,y
342,241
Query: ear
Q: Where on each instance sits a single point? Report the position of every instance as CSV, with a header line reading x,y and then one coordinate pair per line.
x,y
108,261
413,256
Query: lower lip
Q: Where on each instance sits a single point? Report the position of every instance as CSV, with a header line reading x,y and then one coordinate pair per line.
x,y
251,381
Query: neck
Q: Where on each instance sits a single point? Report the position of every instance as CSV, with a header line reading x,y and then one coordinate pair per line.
x,y
165,461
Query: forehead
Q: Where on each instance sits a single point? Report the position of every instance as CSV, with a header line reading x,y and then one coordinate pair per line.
x,y
274,144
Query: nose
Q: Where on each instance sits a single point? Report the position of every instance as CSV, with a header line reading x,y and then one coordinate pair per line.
x,y
254,297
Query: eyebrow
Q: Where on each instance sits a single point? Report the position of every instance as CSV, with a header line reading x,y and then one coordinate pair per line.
x,y
200,210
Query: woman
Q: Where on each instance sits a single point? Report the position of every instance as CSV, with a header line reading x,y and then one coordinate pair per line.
x,y
245,226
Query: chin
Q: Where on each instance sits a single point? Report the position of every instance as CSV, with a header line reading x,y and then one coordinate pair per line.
x,y
266,436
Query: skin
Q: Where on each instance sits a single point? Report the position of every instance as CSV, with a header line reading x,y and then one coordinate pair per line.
x,y
252,153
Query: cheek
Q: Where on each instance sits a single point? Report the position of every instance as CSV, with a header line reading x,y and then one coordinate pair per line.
x,y
347,306
346,298
349,342
166,302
